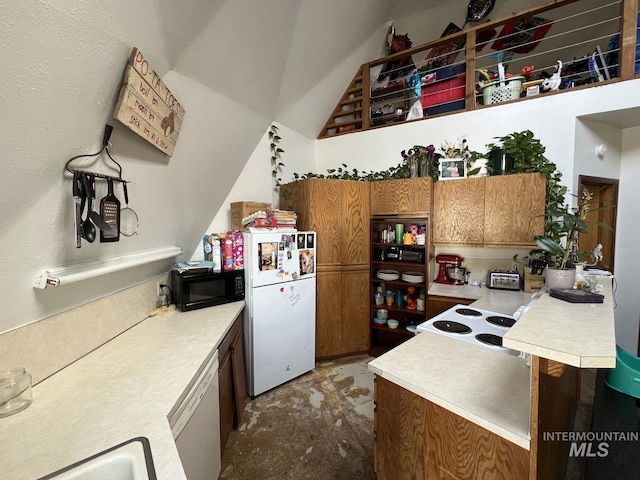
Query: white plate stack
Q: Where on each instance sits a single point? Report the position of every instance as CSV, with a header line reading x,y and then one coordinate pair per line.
x,y
388,275
413,277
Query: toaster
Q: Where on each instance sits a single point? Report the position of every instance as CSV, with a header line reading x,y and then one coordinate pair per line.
x,y
503,279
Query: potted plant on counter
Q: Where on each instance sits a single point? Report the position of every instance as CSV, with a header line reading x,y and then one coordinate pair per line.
x,y
559,244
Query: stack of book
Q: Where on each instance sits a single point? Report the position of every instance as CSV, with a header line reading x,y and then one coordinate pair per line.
x,y
271,218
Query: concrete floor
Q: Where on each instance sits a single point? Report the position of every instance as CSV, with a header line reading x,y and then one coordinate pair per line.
x,y
319,426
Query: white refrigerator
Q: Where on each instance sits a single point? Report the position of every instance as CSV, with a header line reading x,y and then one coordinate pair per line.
x,y
280,313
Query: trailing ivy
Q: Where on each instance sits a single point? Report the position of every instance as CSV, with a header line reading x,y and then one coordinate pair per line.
x,y
276,155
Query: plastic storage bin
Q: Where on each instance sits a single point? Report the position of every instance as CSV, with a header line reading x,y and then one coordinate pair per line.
x,y
625,377
493,92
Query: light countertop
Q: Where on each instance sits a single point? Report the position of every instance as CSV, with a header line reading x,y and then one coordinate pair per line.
x,y
499,301
489,388
578,334
124,389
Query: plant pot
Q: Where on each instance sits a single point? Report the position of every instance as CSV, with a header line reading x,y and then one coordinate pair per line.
x,y
555,278
501,163
413,167
481,164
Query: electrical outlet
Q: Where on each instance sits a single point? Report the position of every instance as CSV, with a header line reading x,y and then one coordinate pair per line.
x,y
515,267
159,289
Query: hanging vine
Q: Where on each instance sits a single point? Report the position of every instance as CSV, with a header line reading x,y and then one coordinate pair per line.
x,y
276,156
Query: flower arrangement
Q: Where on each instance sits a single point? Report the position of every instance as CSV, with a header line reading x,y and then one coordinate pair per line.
x,y
422,161
457,149
475,162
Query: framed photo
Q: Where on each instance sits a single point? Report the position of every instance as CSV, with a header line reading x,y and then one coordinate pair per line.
x,y
452,168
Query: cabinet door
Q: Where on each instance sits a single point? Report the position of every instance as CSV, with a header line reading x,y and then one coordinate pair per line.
x,y
355,310
354,222
514,209
458,212
328,313
225,382
436,304
410,195
239,378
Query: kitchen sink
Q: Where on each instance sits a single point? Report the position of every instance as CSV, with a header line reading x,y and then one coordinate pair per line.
x,y
130,460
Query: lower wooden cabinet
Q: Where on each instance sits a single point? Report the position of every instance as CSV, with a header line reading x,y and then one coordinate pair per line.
x,y
437,304
232,381
342,321
416,439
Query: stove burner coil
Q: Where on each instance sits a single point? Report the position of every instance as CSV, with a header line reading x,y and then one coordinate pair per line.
x,y
501,321
452,327
468,312
489,339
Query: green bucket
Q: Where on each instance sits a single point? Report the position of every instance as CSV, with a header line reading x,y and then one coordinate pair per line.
x,y
625,377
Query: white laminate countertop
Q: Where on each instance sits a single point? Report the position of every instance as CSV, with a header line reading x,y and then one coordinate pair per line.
x,y
124,389
499,301
488,388
578,334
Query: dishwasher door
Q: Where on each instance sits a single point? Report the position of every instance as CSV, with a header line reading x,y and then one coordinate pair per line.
x,y
196,426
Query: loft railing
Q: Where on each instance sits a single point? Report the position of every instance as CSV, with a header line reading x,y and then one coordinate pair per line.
x,y
545,50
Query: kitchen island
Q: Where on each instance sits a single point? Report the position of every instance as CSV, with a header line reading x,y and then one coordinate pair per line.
x,y
124,389
451,409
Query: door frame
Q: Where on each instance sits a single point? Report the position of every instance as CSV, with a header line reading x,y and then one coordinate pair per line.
x,y
612,183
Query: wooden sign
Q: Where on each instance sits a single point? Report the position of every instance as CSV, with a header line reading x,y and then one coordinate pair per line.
x,y
147,106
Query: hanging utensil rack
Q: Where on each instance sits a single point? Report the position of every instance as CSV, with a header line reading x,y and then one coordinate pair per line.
x,y
105,149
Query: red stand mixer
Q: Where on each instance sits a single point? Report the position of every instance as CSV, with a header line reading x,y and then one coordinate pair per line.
x,y
450,272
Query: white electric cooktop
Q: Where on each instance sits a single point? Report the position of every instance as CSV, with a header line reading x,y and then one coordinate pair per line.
x,y
473,325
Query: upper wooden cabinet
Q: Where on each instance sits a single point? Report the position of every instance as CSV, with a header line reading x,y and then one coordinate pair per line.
x,y
498,211
338,210
458,212
410,195
514,209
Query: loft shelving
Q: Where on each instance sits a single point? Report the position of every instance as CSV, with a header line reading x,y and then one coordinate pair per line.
x,y
596,42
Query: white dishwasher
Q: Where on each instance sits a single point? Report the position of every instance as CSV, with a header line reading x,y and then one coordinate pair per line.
x,y
196,426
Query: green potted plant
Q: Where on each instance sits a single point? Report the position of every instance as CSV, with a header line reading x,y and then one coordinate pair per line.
x,y
559,244
518,152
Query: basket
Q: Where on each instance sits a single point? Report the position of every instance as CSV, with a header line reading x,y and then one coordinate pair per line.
x,y
495,93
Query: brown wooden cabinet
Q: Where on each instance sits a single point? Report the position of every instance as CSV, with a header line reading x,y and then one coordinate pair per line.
x,y
231,380
387,255
417,439
338,210
403,196
498,211
458,212
436,304
514,209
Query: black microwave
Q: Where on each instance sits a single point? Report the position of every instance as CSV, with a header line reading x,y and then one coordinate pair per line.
x,y
191,291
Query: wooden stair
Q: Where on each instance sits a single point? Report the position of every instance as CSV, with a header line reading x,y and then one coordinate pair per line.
x,y
348,115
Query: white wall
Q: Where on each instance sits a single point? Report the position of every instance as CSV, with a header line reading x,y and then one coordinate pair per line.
x,y
62,70
627,233
255,183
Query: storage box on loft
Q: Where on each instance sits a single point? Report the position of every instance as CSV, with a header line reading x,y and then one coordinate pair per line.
x,y
239,210
443,89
